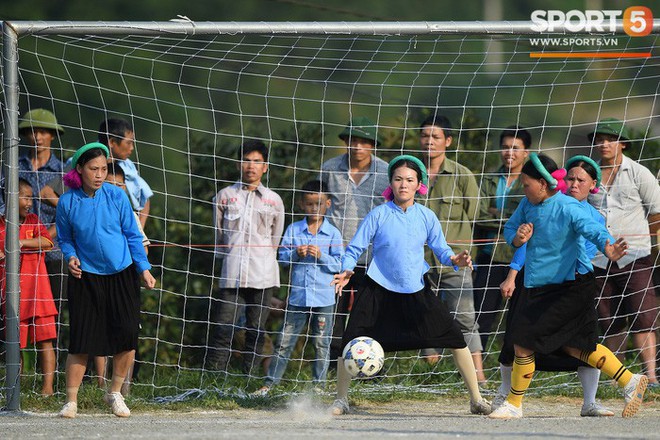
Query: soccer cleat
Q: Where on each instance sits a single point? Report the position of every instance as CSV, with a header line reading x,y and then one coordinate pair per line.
x,y
633,393
506,411
116,402
340,407
69,410
261,392
498,401
481,407
595,409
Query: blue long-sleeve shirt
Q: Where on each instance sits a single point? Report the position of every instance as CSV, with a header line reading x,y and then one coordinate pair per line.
x,y
101,231
310,278
398,246
554,249
587,253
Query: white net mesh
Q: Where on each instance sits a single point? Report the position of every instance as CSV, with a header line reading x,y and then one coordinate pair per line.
x,y
193,101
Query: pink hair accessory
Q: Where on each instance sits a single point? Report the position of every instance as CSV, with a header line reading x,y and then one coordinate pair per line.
x,y
72,179
559,175
595,190
423,189
388,194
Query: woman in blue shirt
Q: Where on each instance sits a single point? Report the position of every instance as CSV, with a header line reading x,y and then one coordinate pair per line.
x,y
394,306
558,311
102,245
583,178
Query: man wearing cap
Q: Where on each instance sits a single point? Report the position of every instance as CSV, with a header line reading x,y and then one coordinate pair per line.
x,y
454,197
629,199
355,182
39,127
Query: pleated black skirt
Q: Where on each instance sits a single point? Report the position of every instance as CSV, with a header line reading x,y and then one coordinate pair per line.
x,y
401,321
104,313
548,318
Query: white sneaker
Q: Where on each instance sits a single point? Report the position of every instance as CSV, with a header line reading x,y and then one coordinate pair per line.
x,y
498,401
481,407
69,410
633,394
506,411
339,407
595,409
116,402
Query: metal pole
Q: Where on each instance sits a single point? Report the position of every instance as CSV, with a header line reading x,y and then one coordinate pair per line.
x,y
12,248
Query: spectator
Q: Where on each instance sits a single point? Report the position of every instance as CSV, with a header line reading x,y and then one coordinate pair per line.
x,y
103,247
500,195
313,248
454,197
118,135
39,127
249,220
355,182
37,308
629,199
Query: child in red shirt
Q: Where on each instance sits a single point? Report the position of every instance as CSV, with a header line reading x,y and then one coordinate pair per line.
x,y
37,308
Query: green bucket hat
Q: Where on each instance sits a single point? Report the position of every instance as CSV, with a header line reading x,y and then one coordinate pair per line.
x,y
612,127
361,127
39,118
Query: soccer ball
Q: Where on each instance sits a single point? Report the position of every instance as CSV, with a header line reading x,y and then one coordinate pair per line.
x,y
363,357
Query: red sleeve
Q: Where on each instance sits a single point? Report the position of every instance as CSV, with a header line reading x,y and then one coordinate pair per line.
x,y
38,228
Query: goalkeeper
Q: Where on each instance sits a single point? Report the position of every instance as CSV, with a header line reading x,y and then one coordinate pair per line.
x,y
394,305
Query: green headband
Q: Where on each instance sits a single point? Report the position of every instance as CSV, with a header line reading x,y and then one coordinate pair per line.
x,y
413,159
552,182
85,148
590,161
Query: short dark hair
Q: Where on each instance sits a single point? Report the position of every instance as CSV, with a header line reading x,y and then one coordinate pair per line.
x,y
547,162
439,121
251,145
116,170
314,187
517,132
23,183
114,128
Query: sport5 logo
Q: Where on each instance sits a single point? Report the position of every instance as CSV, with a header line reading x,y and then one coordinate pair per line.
x,y
637,20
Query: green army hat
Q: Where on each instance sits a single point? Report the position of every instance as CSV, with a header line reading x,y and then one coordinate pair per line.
x,y
611,126
39,118
361,127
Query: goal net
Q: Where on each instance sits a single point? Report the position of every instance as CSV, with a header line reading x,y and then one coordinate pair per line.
x,y
194,99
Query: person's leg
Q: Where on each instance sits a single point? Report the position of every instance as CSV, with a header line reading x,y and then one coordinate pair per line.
x,y
634,385
340,405
456,290
342,308
521,375
590,407
76,364
47,361
646,343
609,306
225,315
257,308
100,365
463,362
295,319
505,374
487,296
121,362
320,331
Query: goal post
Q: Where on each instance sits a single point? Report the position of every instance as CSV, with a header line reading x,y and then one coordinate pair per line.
x,y
195,90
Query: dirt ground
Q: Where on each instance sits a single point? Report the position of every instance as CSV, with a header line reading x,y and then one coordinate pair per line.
x,y
307,418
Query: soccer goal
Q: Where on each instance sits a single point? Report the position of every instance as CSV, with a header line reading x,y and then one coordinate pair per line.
x,y
194,92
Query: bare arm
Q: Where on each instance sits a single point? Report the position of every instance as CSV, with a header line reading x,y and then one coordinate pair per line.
x,y
48,196
144,213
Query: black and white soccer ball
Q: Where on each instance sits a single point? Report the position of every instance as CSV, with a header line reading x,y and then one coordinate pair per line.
x,y
363,357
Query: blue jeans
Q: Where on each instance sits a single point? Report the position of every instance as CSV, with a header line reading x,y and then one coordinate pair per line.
x,y
320,329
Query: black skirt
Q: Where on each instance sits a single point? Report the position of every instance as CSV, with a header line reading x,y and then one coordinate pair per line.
x,y
401,321
551,317
556,361
104,313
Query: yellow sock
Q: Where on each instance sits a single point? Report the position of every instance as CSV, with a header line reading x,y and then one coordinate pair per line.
x,y
521,377
605,361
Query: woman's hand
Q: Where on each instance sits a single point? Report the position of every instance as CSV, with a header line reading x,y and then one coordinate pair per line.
x,y
524,233
74,267
340,280
617,250
509,284
462,259
148,279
